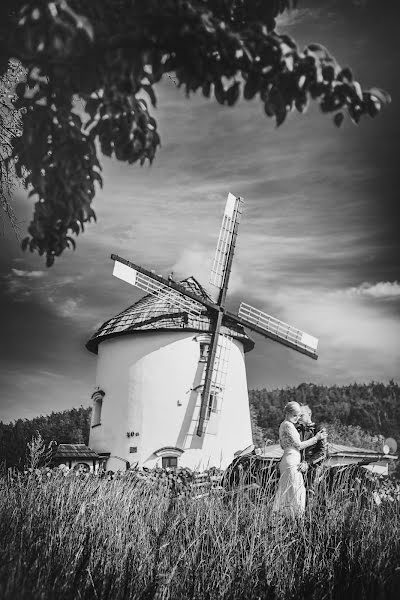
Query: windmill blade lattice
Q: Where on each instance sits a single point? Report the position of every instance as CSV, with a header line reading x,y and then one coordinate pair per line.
x,y
226,240
220,370
151,286
280,331
221,362
213,401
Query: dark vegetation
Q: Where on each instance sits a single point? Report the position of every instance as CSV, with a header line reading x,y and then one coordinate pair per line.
x,y
66,427
358,414
372,408
67,536
110,55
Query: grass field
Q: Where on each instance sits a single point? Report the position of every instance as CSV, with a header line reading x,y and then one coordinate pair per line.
x,y
64,536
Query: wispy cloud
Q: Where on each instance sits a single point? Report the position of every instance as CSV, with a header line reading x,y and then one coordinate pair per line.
x,y
31,281
197,261
56,294
194,261
383,289
355,338
66,307
29,274
21,283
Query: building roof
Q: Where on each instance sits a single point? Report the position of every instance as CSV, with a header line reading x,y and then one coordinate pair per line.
x,y
152,313
74,451
274,451
340,450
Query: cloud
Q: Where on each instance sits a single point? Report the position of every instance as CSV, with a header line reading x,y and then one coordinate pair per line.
x,y
29,274
65,308
20,283
24,283
26,286
17,288
355,338
197,261
383,289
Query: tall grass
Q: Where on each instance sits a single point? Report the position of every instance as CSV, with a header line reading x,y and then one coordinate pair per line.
x,y
66,537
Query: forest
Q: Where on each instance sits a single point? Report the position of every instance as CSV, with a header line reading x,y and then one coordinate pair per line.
x,y
355,414
358,415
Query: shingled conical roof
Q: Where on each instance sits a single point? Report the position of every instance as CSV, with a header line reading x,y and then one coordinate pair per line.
x,y
156,313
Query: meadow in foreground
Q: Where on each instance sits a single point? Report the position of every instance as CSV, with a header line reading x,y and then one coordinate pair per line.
x,y
64,536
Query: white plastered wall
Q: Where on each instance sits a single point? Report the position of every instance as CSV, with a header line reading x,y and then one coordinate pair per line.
x,y
150,381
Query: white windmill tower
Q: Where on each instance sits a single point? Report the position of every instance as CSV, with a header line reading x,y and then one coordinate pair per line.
x,y
171,384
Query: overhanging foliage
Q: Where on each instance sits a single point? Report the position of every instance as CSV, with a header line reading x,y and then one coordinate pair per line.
x,y
111,53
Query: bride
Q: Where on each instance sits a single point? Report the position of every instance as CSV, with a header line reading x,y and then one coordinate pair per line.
x,y
290,498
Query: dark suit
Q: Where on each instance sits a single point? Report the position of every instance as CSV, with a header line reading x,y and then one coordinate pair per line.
x,y
313,454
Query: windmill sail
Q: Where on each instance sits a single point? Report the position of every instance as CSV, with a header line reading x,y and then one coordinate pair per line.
x,y
220,273
279,331
226,241
221,362
213,390
217,388
156,288
220,369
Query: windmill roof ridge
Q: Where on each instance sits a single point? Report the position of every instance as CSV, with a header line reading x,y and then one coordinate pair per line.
x,y
157,313
186,283
189,281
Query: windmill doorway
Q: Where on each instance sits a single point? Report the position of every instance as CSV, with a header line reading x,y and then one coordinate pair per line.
x,y
169,456
169,462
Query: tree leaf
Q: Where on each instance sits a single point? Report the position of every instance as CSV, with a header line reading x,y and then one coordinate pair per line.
x,y
150,92
206,89
219,92
49,260
232,94
24,243
250,87
71,242
382,95
338,119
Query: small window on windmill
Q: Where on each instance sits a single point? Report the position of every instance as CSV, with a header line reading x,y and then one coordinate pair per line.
x,y
170,462
97,398
212,406
204,347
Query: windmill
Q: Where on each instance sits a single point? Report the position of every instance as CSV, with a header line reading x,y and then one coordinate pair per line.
x,y
191,303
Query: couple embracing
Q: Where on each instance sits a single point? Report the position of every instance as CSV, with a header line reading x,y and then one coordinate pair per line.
x,y
290,498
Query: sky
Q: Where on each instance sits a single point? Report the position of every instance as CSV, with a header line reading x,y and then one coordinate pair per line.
x,y
318,244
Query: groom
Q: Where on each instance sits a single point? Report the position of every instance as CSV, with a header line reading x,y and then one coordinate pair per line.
x,y
314,455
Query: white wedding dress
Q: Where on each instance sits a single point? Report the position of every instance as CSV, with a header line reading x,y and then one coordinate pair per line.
x,y
290,498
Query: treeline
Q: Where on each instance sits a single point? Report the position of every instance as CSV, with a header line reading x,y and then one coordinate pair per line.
x,y
358,414
66,427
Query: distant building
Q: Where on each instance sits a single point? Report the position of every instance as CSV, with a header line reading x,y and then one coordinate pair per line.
x,y
76,456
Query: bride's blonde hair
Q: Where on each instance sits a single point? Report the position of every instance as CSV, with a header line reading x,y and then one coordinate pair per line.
x,y
292,408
